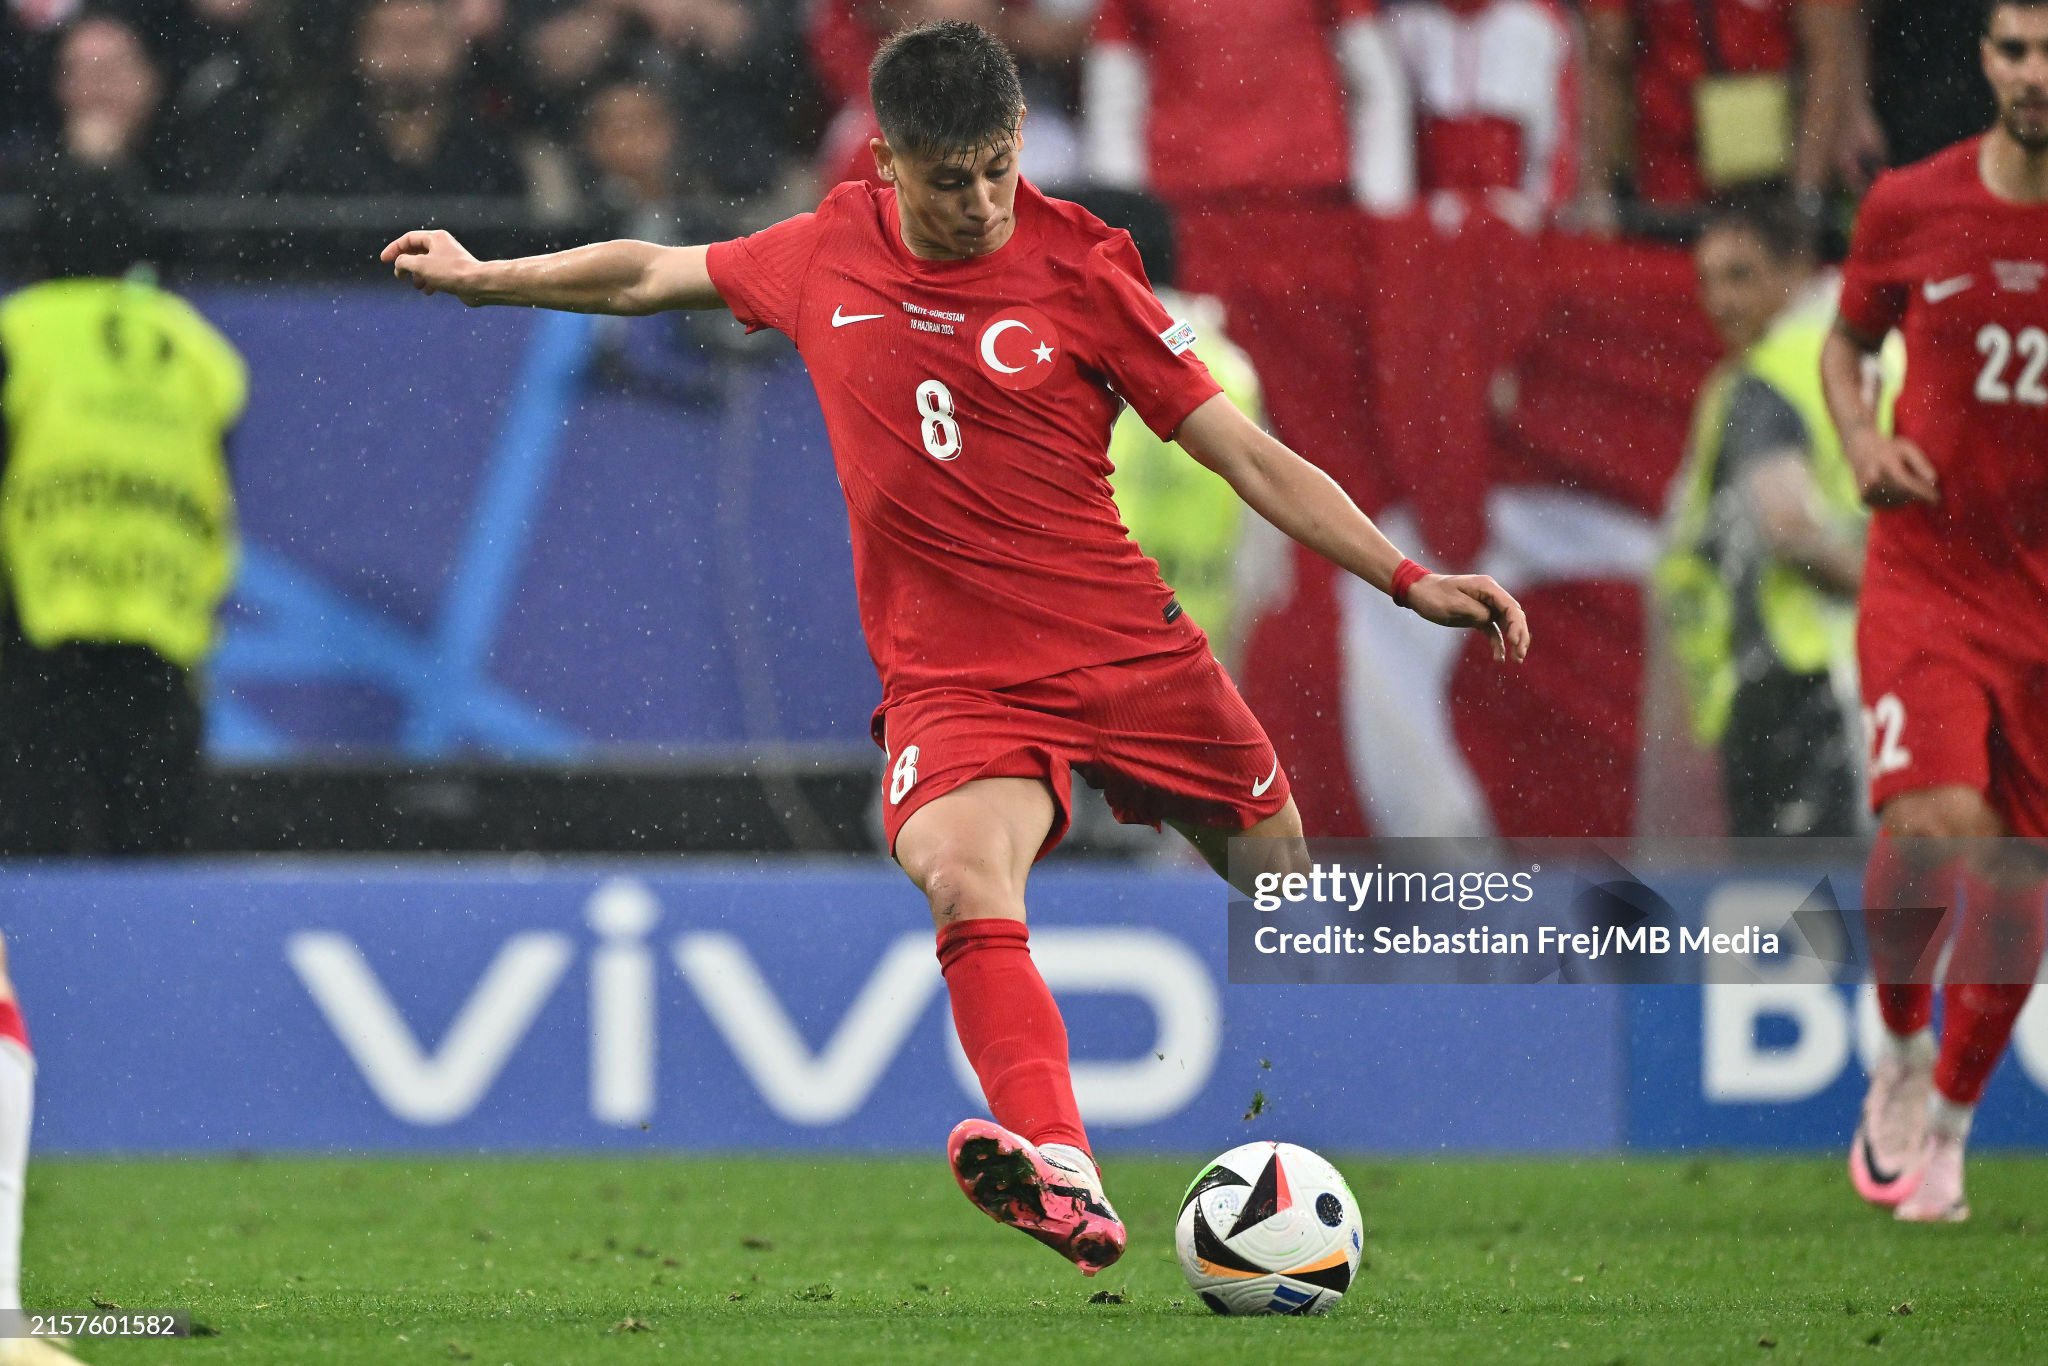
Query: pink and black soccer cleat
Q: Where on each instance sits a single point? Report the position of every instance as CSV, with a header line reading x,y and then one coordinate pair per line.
x,y
1937,1197
1886,1155
1055,1198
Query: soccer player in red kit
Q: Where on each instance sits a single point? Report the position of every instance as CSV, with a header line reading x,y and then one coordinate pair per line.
x,y
1952,637
971,342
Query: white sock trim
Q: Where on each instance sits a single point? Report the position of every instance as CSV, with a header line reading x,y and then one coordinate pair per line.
x,y
1949,1119
1915,1050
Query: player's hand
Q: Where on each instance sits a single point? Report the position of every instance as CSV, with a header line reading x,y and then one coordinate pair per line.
x,y
433,262
1892,471
1474,600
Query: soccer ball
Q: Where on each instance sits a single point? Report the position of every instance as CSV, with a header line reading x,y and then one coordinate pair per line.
x,y
1269,1228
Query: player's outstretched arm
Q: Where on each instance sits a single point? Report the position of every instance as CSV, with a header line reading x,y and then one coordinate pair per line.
x,y
1305,503
1889,470
605,277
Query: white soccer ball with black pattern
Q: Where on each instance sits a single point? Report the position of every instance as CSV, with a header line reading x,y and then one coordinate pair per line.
x,y
1269,1228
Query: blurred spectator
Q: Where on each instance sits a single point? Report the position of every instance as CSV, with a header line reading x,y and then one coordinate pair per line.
x,y
1496,96
632,143
228,61
1183,97
1496,108
322,41
634,151
28,43
407,124
107,92
1925,77
1264,139
1766,524
224,65
117,536
174,92
732,69
1044,35
1722,92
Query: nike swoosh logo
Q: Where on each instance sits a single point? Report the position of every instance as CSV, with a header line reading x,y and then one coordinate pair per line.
x,y
1877,1174
840,319
1259,789
1934,291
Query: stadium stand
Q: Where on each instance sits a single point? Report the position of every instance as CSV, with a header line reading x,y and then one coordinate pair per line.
x,y
1540,363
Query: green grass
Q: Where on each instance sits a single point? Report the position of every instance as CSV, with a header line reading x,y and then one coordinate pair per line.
x,y
791,1260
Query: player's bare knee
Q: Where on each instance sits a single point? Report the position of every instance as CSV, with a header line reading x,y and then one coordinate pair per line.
x,y
1274,846
1948,823
965,884
1943,815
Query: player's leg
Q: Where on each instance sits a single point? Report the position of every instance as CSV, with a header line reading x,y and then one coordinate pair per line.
x,y
17,1108
1997,946
1910,882
1929,720
17,1105
1175,745
1271,845
970,851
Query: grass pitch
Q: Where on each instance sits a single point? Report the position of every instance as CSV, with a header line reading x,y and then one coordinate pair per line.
x,y
847,1260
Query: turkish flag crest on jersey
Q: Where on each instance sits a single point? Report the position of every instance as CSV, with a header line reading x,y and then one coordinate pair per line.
x,y
1019,348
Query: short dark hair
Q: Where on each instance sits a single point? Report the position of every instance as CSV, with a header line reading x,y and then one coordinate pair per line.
x,y
1770,216
1992,7
945,89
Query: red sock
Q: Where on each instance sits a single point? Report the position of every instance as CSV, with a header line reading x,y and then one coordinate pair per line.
x,y
1010,1029
1976,1022
1991,971
11,1025
1896,890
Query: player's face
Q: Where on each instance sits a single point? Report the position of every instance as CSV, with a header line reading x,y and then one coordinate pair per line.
x,y
955,207
2016,64
1742,286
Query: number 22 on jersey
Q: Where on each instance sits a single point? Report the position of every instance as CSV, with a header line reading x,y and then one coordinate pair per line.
x,y
1998,346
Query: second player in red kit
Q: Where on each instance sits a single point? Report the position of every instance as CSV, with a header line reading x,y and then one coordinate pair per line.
x,y
971,342
1963,274
1951,640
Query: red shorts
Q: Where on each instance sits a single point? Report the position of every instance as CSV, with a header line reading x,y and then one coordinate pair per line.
x,y
1166,737
1944,706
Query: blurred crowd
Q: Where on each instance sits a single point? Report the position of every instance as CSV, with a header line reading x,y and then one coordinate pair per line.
x,y
1561,111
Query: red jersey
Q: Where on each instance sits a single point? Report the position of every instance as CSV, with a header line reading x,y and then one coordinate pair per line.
x,y
969,406
1671,48
1240,103
1964,275
1496,95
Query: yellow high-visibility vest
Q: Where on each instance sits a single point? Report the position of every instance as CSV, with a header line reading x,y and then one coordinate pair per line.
x,y
1180,512
1809,630
116,515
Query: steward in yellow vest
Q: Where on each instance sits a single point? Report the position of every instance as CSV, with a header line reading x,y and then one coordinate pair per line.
x,y
1179,512
117,544
1764,540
